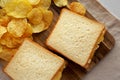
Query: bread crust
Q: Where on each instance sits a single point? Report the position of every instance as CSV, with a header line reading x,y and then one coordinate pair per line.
x,y
63,65
93,50
63,61
86,66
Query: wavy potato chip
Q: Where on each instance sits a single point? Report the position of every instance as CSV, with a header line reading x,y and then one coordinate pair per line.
x,y
18,8
4,20
7,53
3,30
17,27
9,41
28,32
77,7
3,3
47,17
2,13
38,28
60,3
35,16
34,2
44,4
1,49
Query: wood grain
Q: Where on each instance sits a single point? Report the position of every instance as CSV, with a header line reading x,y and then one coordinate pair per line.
x,y
74,71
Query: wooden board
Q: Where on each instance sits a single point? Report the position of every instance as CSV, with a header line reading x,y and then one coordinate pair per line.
x,y
73,71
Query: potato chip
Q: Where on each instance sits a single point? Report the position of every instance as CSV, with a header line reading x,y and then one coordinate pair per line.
x,y
28,32
61,3
4,20
3,30
7,53
35,16
77,7
2,13
47,17
18,8
9,41
44,4
17,27
1,49
38,28
34,2
3,3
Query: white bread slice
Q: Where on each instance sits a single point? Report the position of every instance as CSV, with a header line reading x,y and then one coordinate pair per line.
x,y
33,62
76,37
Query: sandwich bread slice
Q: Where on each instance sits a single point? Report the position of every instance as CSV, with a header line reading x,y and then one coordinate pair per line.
x,y
33,62
76,37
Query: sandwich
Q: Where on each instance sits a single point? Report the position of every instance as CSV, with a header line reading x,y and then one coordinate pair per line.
x,y
33,62
76,37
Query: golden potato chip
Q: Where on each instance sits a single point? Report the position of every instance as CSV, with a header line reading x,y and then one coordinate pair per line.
x,y
18,8
4,20
35,16
17,27
3,30
61,3
38,28
1,48
77,7
3,2
47,17
34,2
44,4
28,32
9,41
2,13
7,53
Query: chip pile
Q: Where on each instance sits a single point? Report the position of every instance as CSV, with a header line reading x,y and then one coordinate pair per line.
x,y
19,19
